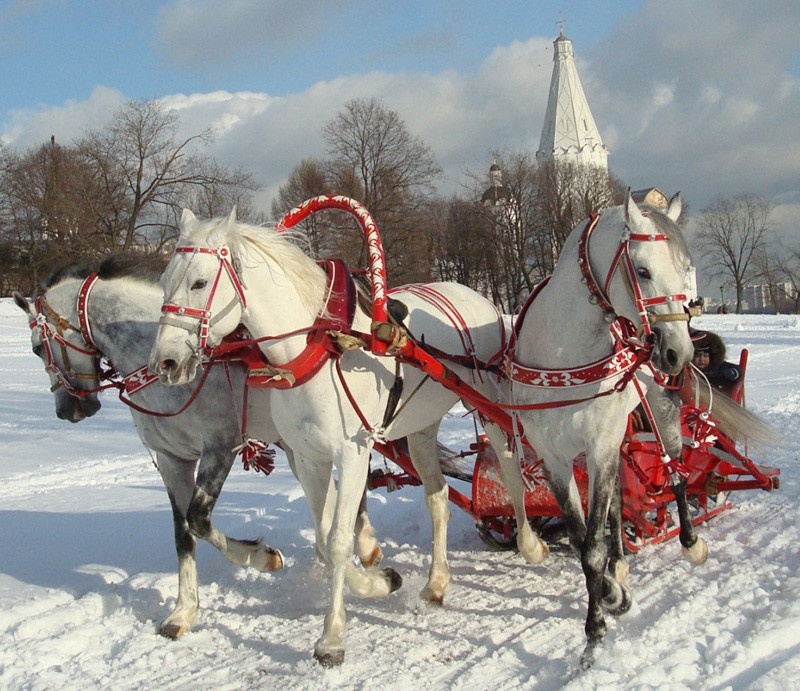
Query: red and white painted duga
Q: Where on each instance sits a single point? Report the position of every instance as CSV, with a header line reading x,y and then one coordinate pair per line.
x,y
354,399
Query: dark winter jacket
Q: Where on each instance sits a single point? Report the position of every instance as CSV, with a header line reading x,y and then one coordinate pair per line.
x,y
719,373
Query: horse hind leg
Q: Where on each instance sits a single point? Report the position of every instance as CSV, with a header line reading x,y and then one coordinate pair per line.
x,y
424,454
530,545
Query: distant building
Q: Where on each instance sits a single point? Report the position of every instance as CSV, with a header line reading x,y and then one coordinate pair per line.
x,y
651,196
569,133
756,298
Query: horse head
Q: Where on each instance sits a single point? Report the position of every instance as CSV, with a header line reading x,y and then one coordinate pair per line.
x,y
71,363
646,278
204,298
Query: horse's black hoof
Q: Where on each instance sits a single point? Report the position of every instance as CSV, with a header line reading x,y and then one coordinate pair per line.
x,y
172,631
332,659
588,655
394,578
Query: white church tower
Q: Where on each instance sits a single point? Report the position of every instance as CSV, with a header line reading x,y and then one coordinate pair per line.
x,y
569,133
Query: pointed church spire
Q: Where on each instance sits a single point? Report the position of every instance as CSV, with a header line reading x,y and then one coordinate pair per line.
x,y
569,131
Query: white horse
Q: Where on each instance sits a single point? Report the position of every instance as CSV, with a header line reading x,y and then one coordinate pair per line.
x,y
118,320
224,273
622,264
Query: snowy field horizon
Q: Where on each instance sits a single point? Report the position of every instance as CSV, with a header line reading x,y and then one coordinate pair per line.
x,y
89,570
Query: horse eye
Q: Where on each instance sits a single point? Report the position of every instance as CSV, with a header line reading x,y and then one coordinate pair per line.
x,y
199,284
37,350
643,273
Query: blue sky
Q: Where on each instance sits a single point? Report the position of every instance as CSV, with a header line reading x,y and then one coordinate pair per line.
x,y
702,97
55,50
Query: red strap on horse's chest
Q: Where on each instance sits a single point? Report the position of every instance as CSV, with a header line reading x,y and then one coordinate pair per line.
x,y
337,315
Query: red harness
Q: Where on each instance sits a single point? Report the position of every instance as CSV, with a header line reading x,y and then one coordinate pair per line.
x,y
336,315
630,350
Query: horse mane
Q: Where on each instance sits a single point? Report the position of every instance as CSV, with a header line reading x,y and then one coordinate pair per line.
x,y
279,249
73,270
144,268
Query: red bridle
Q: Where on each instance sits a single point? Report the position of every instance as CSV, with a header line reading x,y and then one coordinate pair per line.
x,y
599,296
176,315
52,334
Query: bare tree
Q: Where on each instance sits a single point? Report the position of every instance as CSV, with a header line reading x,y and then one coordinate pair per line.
x,y
374,159
308,179
148,173
732,234
521,215
43,222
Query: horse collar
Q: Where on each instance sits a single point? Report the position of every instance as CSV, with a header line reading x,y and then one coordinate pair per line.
x,y
83,312
597,294
336,315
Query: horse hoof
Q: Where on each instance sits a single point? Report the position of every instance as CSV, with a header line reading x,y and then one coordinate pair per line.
x,y
697,553
274,560
394,579
333,658
172,631
430,597
624,605
618,601
538,554
587,657
374,559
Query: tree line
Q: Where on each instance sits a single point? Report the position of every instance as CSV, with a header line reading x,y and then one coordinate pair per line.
x,y
121,189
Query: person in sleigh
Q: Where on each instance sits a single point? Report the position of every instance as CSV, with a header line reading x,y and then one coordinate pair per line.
x,y
709,358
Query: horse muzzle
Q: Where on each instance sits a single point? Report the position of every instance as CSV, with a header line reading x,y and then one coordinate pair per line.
x,y
173,373
672,348
75,409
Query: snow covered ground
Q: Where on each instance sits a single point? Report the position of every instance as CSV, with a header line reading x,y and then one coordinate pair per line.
x,y
88,570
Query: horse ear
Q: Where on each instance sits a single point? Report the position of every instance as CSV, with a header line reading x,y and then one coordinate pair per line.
x,y
633,217
675,207
187,218
231,218
22,303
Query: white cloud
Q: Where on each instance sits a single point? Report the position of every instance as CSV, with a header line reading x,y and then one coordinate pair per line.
x,y
32,127
707,106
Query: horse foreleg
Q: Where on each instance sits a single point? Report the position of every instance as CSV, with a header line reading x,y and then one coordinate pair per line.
x,y
424,454
367,547
666,407
352,467
252,553
530,545
617,564
693,547
318,485
594,554
182,617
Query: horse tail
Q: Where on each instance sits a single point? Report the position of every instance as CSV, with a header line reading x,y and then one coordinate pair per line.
x,y
735,421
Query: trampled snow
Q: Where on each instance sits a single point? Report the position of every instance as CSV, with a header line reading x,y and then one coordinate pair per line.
x,y
88,570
